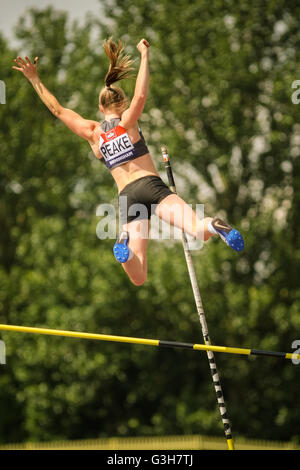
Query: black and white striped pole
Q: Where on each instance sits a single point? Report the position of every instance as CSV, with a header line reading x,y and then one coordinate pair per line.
x,y
200,310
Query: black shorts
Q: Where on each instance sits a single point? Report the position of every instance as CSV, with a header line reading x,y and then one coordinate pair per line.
x,y
139,198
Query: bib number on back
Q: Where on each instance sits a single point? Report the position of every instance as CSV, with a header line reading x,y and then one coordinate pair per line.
x,y
116,147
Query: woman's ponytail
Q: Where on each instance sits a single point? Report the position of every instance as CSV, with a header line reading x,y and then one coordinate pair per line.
x,y
120,67
120,64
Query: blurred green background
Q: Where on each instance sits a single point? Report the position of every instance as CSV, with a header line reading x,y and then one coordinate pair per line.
x,y
221,100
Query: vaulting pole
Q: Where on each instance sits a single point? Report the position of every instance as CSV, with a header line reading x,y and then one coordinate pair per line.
x,y
200,310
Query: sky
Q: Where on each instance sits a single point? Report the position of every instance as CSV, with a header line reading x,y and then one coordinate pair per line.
x,y
11,10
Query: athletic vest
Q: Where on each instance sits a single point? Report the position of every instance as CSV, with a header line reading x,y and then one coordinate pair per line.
x,y
116,147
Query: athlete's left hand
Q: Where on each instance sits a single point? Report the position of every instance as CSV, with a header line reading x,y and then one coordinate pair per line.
x,y
27,68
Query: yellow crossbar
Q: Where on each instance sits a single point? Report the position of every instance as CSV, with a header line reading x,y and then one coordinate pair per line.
x,y
147,342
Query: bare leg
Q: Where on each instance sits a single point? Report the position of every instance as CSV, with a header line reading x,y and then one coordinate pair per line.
x,y
176,211
136,267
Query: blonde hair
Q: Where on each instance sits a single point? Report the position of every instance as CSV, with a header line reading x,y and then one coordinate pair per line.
x,y
120,68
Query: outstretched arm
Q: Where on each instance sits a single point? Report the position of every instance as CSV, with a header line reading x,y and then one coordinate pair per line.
x,y
80,126
133,113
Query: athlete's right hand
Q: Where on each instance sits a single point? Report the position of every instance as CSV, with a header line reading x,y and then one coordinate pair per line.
x,y
27,68
143,46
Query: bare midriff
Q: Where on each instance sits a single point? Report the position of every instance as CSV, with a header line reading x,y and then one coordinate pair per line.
x,y
133,170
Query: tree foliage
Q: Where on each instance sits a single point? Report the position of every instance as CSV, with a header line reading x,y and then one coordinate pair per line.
x,y
220,99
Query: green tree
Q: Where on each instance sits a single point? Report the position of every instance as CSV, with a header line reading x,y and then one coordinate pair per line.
x,y
220,100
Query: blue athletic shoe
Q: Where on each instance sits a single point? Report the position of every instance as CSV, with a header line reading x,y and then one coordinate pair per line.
x,y
121,250
229,235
